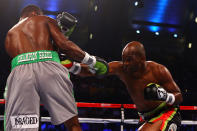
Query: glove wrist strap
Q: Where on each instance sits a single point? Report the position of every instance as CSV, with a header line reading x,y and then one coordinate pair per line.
x,y
170,98
75,69
89,60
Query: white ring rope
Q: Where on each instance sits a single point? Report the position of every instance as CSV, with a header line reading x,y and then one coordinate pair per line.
x,y
100,120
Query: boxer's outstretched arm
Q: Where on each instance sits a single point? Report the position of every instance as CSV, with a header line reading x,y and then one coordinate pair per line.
x,y
67,47
115,68
73,52
85,70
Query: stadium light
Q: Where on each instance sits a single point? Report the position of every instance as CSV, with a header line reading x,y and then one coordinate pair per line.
x,y
138,31
156,33
190,45
139,3
175,35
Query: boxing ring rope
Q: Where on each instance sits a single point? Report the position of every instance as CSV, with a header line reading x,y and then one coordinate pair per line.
x,y
109,105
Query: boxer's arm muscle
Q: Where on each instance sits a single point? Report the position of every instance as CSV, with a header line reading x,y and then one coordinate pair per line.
x,y
115,67
167,82
66,46
7,44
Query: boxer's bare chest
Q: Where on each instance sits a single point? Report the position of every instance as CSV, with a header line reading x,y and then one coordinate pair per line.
x,y
135,86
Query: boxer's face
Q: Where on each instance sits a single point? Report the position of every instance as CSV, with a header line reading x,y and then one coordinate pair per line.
x,y
131,61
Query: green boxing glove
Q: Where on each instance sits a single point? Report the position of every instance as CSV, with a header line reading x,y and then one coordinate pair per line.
x,y
100,68
97,66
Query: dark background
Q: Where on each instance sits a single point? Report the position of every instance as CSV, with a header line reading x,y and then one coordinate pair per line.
x,y
113,23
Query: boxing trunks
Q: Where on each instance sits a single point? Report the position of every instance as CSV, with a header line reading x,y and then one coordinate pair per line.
x,y
38,77
170,116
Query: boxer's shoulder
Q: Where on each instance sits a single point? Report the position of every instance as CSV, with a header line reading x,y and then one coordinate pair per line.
x,y
159,70
115,67
154,65
116,64
42,18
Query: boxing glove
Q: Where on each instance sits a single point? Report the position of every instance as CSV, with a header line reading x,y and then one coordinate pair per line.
x,y
67,23
72,67
155,92
97,66
100,68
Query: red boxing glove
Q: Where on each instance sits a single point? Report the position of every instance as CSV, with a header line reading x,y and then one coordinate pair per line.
x,y
73,67
67,63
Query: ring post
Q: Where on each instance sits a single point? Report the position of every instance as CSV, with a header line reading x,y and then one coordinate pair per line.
x,y
122,118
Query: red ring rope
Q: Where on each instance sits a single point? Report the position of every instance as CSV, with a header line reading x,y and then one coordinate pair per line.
x,y
109,105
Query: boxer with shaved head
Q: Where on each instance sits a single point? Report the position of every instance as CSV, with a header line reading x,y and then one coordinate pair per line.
x,y
151,87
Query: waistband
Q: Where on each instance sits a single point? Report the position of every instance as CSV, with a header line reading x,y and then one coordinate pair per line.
x,y
146,115
34,57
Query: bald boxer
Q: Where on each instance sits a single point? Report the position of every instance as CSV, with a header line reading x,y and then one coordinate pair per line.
x,y
37,75
151,87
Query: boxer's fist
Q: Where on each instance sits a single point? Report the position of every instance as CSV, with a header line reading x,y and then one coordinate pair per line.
x,y
100,68
72,67
96,65
66,22
67,63
155,92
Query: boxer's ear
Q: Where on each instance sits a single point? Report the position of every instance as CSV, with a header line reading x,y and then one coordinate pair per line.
x,y
34,13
